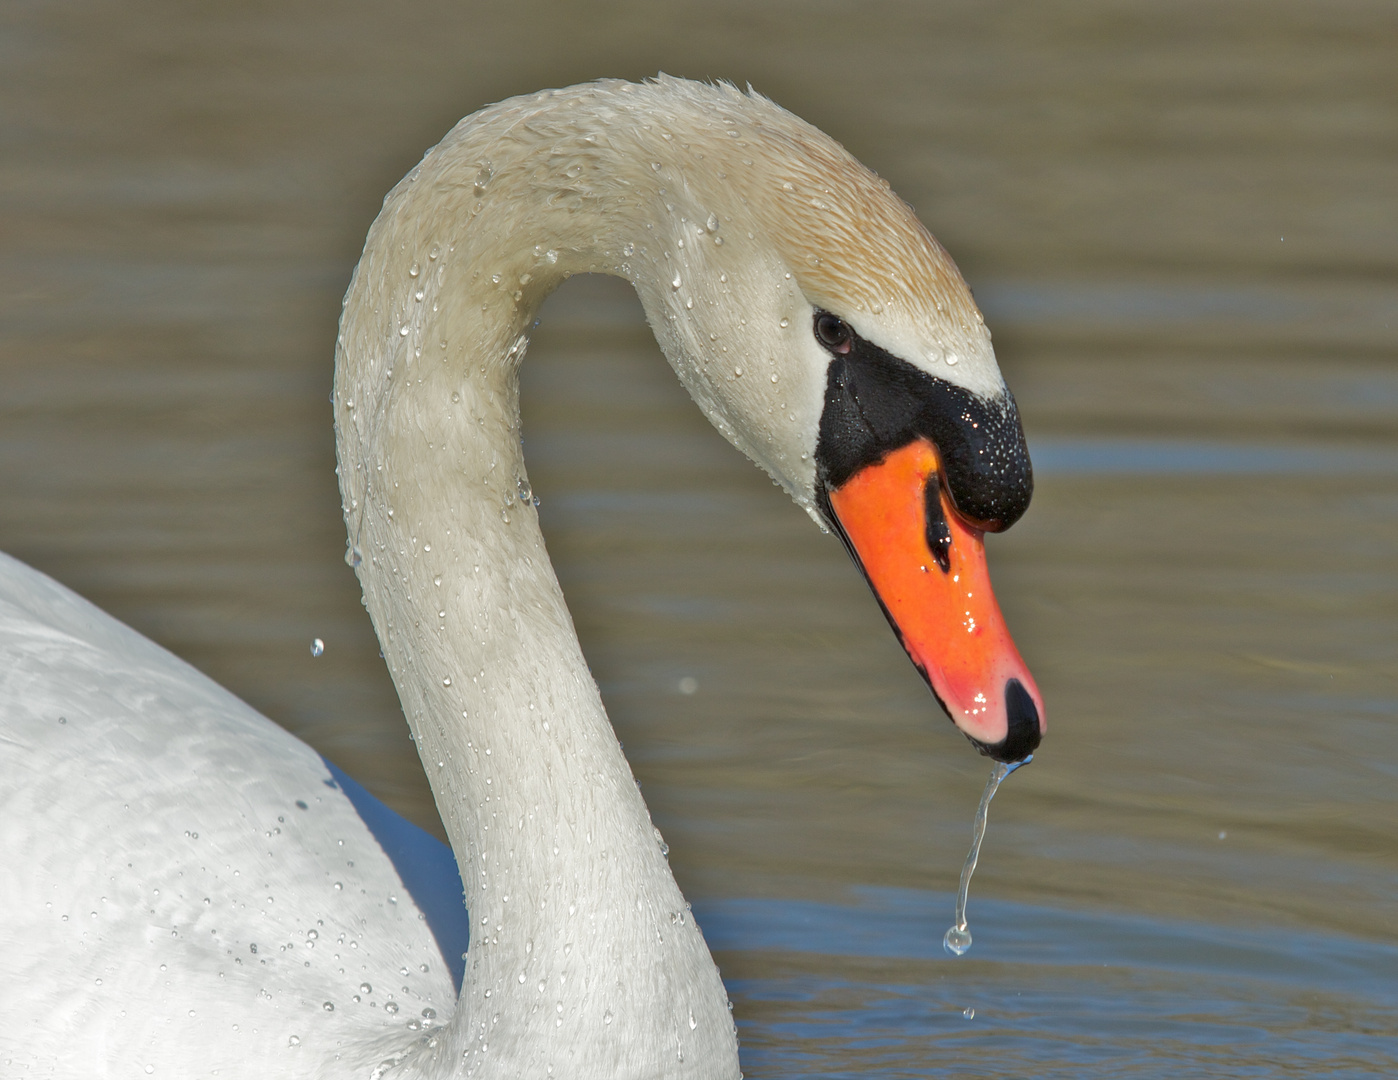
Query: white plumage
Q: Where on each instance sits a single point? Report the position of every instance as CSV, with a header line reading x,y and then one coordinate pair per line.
x,y
189,891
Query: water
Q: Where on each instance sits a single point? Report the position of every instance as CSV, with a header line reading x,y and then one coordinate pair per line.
x,y
1052,993
957,939
1206,585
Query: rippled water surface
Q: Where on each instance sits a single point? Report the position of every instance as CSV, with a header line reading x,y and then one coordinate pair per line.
x,y
1180,222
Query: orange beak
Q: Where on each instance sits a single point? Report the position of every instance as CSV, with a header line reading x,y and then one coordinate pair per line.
x,y
927,567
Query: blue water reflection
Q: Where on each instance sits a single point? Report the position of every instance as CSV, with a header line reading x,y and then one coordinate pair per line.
x,y
1047,993
1104,456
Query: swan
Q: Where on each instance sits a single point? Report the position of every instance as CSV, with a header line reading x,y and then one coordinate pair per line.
x,y
189,891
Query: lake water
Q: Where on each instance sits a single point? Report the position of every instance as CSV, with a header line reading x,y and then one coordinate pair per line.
x,y
1181,224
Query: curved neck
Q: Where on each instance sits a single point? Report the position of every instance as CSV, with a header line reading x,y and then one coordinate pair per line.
x,y
581,955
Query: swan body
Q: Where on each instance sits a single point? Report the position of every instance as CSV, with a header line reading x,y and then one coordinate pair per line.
x,y
742,228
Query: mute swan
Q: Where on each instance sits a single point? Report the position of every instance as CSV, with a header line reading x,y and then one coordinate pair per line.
x,y
189,891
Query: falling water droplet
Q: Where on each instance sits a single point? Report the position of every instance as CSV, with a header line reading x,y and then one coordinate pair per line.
x,y
958,938
317,647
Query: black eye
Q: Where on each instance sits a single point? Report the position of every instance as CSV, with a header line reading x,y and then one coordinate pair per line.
x,y
833,332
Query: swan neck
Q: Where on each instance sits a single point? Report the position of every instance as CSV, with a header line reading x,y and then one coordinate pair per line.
x,y
582,955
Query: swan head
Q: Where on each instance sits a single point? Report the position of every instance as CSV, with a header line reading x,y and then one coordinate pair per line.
x,y
828,335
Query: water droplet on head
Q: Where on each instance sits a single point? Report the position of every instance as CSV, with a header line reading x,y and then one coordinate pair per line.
x,y
607,1017
295,1040
675,284
329,1006
390,1006
712,223
414,270
365,988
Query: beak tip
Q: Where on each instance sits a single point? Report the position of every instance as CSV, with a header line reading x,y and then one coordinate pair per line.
x,y
1024,727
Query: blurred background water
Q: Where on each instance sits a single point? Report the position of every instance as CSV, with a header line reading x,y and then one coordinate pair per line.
x,y
1181,223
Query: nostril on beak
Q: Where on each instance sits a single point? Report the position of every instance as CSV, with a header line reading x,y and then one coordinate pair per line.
x,y
1023,736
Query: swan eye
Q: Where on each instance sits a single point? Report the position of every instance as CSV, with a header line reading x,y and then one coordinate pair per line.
x,y
833,332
